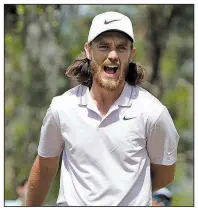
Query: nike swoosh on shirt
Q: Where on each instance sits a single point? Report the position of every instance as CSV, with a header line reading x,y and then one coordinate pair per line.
x,y
107,22
128,118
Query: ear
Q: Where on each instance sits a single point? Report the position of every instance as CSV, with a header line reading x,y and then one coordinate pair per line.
x,y
133,52
87,48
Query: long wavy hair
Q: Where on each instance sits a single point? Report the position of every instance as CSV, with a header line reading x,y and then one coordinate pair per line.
x,y
81,70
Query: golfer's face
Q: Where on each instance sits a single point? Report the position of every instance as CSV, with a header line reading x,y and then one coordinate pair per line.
x,y
110,56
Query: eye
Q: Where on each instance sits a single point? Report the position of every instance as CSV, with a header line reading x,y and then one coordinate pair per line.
x,y
122,48
104,47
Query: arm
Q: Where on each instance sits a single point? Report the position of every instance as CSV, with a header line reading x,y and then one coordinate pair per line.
x,y
162,175
46,163
43,172
162,150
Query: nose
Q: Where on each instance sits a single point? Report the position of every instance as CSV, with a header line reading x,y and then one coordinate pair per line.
x,y
113,55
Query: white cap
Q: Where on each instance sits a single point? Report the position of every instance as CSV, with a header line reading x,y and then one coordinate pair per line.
x,y
110,21
164,192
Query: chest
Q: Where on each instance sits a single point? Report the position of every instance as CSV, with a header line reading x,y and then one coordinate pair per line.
x,y
120,135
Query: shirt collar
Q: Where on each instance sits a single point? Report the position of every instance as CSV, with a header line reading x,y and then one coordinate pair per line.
x,y
82,94
125,99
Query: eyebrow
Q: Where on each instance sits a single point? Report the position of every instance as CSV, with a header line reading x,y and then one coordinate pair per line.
x,y
123,43
103,42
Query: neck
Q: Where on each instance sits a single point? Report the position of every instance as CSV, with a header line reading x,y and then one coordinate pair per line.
x,y
104,99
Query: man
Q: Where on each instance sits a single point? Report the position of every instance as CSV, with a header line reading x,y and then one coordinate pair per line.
x,y
162,197
21,190
112,132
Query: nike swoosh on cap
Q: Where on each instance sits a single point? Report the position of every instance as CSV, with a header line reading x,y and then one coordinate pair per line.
x,y
107,22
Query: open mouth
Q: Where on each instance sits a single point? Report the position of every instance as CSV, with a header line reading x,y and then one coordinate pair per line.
x,y
110,69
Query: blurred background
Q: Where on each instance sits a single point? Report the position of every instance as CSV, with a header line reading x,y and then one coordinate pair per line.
x,y
41,41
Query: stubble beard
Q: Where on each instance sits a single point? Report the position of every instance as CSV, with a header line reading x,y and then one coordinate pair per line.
x,y
108,84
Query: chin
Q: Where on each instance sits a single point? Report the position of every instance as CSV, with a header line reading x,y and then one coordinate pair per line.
x,y
109,85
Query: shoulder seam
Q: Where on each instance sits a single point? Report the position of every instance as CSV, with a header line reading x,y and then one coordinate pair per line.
x,y
153,124
53,110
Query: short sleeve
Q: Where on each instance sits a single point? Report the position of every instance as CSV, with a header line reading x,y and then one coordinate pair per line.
x,y
51,143
163,140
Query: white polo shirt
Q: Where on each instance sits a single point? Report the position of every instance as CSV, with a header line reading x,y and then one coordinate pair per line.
x,y
106,160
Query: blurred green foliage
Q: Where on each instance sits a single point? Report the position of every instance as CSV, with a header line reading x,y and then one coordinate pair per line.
x,y
41,41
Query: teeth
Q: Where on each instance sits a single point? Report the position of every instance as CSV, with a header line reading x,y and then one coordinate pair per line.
x,y
112,66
